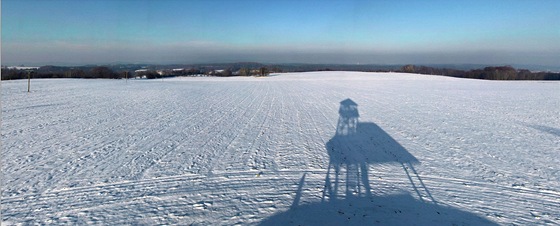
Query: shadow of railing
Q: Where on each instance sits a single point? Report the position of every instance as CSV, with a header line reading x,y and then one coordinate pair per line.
x,y
546,129
347,197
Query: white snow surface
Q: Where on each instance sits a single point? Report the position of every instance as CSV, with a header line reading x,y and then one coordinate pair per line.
x,y
289,149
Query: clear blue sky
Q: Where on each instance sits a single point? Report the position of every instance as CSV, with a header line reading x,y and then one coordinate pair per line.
x,y
283,31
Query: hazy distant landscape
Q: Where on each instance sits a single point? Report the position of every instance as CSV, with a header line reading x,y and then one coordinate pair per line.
x,y
354,112
125,71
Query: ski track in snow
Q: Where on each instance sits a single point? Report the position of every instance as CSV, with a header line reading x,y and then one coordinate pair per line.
x,y
225,151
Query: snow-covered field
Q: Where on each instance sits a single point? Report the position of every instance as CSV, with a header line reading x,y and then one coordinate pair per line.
x,y
319,148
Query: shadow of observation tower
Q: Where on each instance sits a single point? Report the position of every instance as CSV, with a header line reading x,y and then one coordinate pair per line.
x,y
354,148
347,198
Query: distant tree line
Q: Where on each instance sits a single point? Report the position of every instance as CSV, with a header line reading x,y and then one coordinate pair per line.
x,y
256,69
62,72
489,73
242,71
262,71
103,72
98,72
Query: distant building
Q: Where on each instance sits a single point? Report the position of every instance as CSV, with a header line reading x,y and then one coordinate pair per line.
x,y
21,68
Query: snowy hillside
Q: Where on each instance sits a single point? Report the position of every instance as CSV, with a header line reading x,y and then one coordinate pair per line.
x,y
319,148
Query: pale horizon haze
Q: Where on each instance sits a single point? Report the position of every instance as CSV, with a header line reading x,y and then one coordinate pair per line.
x,y
36,33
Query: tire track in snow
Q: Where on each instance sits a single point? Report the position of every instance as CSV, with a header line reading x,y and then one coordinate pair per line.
x,y
300,147
187,190
126,156
259,151
309,110
226,132
190,193
239,153
109,150
180,139
225,128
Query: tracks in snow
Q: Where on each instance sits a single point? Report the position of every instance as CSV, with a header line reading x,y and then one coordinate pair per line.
x,y
225,151
222,196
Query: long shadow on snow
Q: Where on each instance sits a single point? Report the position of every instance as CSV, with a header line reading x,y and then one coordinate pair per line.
x,y
347,199
546,129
